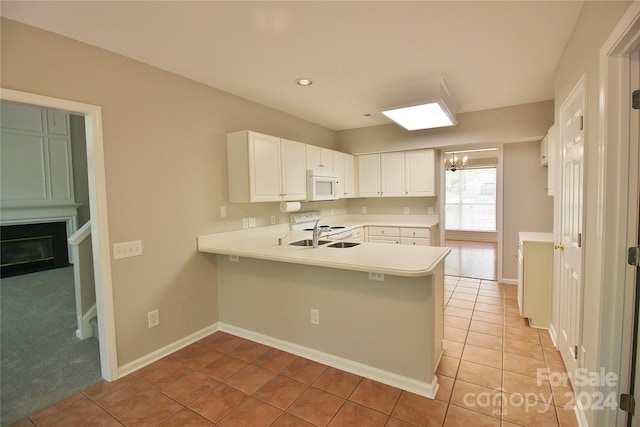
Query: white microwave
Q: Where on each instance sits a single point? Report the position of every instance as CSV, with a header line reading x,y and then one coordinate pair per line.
x,y
322,185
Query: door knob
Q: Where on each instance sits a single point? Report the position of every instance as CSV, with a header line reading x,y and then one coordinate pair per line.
x,y
559,246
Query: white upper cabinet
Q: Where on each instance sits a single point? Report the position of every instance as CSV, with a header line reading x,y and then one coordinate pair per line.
x,y
397,174
552,148
294,171
319,159
264,168
349,176
419,166
392,174
343,165
369,175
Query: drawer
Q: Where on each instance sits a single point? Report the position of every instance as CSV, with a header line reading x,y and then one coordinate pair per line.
x,y
415,241
422,233
384,231
384,239
358,233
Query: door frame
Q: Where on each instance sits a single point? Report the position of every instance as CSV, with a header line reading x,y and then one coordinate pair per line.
x,y
613,314
99,220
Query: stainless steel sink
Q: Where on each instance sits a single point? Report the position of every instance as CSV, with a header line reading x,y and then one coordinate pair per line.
x,y
308,242
343,245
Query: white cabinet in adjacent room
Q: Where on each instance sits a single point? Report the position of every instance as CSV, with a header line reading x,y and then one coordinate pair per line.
x,y
264,168
35,154
419,166
535,277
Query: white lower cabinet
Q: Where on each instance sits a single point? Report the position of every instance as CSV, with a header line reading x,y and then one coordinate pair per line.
x,y
384,235
535,277
416,236
358,234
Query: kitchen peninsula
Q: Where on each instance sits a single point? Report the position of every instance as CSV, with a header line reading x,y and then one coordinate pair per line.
x,y
378,307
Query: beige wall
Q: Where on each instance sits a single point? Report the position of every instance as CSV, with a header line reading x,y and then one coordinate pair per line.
x,y
581,56
528,122
526,205
165,159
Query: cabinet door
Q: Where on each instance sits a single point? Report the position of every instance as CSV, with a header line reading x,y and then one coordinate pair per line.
x,y
392,174
349,177
326,160
369,175
338,167
319,159
420,173
294,172
313,157
265,169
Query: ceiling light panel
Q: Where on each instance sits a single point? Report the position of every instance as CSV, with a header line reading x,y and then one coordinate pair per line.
x,y
424,116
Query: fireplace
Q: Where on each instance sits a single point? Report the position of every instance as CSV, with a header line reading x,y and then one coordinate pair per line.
x,y
26,248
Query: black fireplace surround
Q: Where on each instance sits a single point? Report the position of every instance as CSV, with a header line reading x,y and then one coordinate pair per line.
x,y
27,248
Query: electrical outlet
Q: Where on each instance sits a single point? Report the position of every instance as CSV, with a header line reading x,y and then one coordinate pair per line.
x,y
252,222
430,210
376,276
245,223
273,220
315,316
364,209
406,211
223,211
234,258
127,249
153,317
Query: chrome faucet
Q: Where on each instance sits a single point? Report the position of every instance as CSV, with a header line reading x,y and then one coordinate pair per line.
x,y
317,232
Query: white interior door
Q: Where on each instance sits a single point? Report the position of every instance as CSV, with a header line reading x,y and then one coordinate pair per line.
x,y
570,246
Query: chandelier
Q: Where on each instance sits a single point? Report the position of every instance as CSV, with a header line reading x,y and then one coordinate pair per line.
x,y
453,164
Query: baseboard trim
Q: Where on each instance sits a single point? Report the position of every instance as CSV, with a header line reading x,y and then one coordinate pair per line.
x,y
509,281
579,413
418,387
554,335
85,330
166,350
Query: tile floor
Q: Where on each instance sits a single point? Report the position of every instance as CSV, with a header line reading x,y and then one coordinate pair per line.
x,y
488,377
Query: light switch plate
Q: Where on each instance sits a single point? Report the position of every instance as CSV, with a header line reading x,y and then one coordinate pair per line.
x,y
127,249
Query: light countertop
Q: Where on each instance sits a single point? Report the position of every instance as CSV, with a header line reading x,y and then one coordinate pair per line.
x,y
398,260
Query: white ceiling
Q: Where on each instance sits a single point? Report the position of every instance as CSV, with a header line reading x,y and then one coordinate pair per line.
x,y
494,54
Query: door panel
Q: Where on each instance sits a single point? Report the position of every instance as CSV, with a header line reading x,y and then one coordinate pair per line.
x,y
570,292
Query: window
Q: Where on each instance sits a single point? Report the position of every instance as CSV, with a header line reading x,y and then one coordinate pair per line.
x,y
470,199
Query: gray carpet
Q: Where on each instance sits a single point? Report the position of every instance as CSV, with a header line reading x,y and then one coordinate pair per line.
x,y
41,360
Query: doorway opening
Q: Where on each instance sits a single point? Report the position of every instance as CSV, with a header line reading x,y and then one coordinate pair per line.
x,y
99,222
471,213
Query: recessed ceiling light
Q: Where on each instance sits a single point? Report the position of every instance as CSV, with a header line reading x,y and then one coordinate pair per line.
x,y
304,82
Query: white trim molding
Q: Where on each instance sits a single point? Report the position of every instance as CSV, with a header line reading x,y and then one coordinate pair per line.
x,y
166,350
612,313
409,384
99,219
